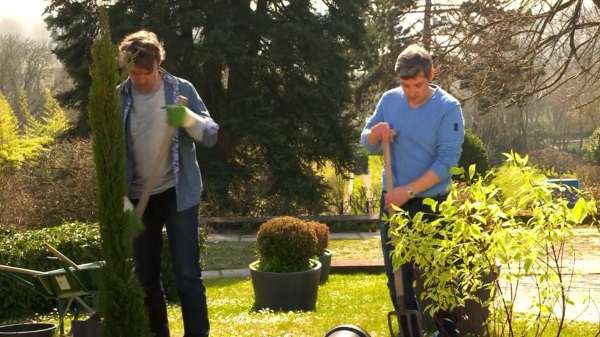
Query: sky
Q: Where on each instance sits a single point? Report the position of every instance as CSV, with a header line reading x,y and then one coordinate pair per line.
x,y
23,17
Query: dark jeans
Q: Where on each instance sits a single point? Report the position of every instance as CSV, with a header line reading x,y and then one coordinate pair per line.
x,y
443,320
182,232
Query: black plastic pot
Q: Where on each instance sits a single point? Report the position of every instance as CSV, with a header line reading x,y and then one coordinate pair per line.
x,y
325,260
91,327
28,330
285,291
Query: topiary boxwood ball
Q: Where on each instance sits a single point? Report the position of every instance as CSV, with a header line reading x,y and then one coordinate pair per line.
x,y
322,232
285,244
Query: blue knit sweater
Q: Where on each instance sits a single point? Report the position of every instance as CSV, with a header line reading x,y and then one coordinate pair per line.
x,y
429,137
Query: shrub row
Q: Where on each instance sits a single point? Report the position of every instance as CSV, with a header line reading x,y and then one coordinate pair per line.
x,y
78,241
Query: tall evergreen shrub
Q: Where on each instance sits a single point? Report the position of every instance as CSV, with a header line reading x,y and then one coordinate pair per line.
x,y
474,152
121,297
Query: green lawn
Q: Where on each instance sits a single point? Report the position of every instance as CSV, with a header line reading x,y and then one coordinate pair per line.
x,y
237,255
346,299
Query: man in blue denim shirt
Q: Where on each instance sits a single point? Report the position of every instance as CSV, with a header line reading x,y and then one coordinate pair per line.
x,y
430,132
174,199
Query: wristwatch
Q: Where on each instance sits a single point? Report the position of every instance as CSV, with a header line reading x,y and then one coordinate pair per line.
x,y
410,192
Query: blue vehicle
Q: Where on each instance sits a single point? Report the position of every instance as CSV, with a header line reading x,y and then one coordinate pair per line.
x,y
571,192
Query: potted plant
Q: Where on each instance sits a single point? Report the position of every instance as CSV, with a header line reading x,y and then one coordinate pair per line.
x,y
324,254
482,228
286,275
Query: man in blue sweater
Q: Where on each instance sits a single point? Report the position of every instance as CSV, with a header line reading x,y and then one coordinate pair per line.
x,y
429,134
149,100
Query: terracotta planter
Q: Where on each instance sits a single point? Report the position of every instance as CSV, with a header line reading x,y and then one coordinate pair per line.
x,y
325,260
285,291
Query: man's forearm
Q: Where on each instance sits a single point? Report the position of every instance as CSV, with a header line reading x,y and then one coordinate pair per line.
x,y
424,182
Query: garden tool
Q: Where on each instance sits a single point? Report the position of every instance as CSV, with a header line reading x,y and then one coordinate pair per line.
x,y
20,270
160,157
61,256
410,318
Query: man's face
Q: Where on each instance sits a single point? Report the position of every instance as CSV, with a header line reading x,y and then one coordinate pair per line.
x,y
144,80
417,89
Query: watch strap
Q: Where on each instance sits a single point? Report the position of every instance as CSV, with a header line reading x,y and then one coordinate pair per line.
x,y
410,192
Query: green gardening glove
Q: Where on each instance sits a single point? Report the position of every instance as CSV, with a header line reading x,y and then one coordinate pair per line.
x,y
135,225
180,116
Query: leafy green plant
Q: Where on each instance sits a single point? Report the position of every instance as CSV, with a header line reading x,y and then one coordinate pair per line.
x,y
322,233
337,195
365,199
285,244
480,241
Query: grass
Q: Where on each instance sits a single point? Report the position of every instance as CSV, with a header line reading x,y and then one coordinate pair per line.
x,y
237,255
346,299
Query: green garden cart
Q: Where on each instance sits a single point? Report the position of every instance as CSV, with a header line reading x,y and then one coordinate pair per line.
x,y
69,283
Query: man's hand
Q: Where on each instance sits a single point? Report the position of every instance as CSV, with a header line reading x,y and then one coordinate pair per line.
x,y
135,225
398,197
379,132
180,116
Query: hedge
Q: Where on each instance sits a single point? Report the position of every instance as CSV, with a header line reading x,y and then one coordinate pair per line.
x,y
80,242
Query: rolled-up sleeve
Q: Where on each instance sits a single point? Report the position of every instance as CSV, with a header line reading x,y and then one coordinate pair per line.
x,y
205,131
376,118
451,134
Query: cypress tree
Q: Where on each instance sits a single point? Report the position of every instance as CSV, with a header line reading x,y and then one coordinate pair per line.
x,y
121,297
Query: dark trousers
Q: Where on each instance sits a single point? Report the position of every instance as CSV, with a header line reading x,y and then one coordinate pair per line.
x,y
182,233
443,320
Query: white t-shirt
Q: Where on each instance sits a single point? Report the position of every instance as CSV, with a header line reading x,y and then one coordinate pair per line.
x,y
148,126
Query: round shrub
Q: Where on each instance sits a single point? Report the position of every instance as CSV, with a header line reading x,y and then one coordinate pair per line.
x,y
473,152
322,232
285,244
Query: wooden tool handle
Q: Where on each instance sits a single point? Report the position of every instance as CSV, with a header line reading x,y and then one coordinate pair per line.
x,y
61,256
387,158
163,151
20,270
389,187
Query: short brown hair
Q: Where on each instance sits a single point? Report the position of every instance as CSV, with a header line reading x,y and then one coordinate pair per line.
x,y
412,61
142,48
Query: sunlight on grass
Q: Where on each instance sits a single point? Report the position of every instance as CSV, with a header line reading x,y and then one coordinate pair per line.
x,y
229,255
356,249
237,255
346,299
358,299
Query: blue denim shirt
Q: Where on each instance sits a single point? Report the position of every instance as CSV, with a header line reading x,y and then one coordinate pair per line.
x,y
188,181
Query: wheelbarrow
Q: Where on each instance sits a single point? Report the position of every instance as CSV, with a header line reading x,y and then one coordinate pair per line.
x,y
70,283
